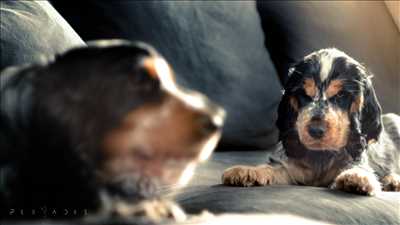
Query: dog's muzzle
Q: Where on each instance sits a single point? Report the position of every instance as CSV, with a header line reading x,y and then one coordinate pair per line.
x,y
317,126
317,130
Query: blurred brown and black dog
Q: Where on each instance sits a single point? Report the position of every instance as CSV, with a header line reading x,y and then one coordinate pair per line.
x,y
99,126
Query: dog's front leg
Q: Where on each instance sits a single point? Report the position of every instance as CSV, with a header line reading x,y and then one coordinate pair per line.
x,y
358,178
261,175
156,210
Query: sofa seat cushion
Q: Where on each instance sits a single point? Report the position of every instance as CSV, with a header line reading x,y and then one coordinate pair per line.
x,y
205,192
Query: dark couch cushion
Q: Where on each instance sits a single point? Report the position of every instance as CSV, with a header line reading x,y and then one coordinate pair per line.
x,y
365,30
273,204
317,204
31,30
204,192
216,48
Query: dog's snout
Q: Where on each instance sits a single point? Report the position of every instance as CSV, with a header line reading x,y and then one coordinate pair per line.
x,y
200,103
208,124
217,114
212,116
316,130
317,115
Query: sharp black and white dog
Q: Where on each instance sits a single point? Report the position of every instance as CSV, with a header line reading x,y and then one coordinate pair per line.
x,y
332,131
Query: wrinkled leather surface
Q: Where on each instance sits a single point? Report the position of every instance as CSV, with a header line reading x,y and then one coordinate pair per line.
x,y
32,31
317,204
26,41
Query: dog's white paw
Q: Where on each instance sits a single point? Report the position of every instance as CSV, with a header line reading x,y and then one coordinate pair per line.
x,y
357,181
391,182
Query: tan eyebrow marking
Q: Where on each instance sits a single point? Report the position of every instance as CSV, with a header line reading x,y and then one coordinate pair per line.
x,y
309,87
149,65
335,86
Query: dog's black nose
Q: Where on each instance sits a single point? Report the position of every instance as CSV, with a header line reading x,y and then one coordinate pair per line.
x,y
212,117
316,131
208,123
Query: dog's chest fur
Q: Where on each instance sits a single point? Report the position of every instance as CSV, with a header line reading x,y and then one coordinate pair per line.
x,y
318,168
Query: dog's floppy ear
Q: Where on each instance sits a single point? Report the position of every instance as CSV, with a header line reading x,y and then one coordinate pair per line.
x,y
371,121
15,108
15,93
287,110
288,106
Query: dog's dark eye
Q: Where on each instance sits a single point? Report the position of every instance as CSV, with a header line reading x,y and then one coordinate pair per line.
x,y
341,94
303,98
340,97
299,92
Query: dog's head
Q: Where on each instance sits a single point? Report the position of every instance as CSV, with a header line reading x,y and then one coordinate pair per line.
x,y
116,108
328,104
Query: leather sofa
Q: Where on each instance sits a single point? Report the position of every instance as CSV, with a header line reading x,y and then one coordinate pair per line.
x,y
238,54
